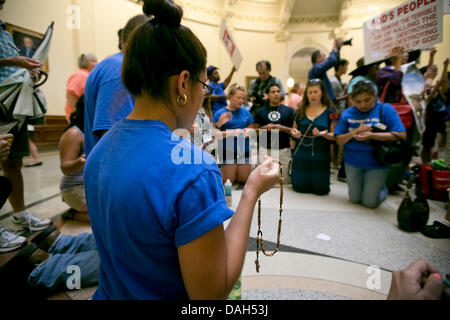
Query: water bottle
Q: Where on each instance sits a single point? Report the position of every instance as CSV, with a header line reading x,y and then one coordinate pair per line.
x,y
228,187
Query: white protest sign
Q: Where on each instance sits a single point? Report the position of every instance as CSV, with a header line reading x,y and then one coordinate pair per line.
x,y
230,45
416,24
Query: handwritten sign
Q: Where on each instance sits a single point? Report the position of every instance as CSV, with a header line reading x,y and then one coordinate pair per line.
x,y
416,24
230,45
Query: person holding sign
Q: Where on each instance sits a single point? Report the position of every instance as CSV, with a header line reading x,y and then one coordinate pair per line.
x,y
218,99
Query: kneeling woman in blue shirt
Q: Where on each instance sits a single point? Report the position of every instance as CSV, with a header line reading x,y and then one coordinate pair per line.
x,y
233,144
366,177
157,215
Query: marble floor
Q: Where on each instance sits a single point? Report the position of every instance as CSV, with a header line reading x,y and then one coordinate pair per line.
x,y
330,248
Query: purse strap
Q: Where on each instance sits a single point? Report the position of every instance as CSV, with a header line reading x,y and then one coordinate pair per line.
x,y
381,120
383,94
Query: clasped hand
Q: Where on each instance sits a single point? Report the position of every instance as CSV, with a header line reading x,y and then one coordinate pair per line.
x,y
362,133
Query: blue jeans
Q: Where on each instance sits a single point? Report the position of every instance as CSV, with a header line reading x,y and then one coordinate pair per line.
x,y
366,186
66,251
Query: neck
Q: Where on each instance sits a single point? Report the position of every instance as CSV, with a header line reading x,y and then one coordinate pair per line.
x,y
315,105
339,74
273,105
232,107
148,108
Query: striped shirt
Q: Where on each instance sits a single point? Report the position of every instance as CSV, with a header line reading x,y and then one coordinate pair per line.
x,y
7,50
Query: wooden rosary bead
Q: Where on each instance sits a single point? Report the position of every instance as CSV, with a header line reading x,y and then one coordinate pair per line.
x,y
259,239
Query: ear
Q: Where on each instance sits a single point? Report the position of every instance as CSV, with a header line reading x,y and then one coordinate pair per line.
x,y
184,83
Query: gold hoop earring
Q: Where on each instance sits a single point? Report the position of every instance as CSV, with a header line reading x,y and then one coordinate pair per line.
x,y
180,101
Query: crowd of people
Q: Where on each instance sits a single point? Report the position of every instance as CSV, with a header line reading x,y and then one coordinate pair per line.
x,y
117,158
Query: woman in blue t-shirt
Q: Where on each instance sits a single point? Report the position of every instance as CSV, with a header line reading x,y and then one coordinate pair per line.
x,y
157,214
366,177
233,143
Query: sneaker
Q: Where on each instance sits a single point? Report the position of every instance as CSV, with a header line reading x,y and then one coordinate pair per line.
x,y
10,241
31,222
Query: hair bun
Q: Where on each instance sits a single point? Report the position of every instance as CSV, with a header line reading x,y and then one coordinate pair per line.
x,y
164,12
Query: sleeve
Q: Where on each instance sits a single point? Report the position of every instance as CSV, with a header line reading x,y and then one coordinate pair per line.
x,y
251,88
257,118
384,75
392,119
216,116
75,85
321,68
342,126
110,105
200,208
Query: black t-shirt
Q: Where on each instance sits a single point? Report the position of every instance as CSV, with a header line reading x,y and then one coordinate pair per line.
x,y
283,115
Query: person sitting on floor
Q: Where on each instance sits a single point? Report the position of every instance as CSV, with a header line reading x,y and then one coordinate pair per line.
x,y
51,264
73,159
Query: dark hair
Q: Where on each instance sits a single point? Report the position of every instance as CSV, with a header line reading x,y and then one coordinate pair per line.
x,y
362,86
414,55
132,25
314,56
325,100
77,117
341,62
272,85
161,48
266,63
423,70
119,34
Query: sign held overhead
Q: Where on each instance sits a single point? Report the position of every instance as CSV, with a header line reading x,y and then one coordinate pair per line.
x,y
416,24
230,45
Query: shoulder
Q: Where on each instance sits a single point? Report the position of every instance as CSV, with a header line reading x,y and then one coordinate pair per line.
x,y
286,109
347,112
73,134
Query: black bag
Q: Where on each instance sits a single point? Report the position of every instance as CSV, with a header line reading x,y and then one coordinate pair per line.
x,y
391,153
412,216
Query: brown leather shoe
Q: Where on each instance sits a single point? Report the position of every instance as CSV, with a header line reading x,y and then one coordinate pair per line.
x,y
45,239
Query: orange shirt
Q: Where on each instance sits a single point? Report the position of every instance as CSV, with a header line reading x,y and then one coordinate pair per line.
x,y
75,86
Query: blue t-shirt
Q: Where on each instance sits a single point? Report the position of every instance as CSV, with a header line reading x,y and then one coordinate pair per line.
x,y
219,89
357,153
106,100
241,118
144,203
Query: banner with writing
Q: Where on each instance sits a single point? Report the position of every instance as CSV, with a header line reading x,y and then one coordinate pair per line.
x,y
416,24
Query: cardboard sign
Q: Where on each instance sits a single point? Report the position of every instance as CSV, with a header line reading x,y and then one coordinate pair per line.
x,y
416,24
230,45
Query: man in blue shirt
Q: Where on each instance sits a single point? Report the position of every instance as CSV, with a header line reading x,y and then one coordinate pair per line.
x,y
321,65
106,99
218,97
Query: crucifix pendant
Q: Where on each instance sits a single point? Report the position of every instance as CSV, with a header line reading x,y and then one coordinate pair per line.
x,y
257,265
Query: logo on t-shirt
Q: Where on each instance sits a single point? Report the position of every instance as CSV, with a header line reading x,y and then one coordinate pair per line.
x,y
274,116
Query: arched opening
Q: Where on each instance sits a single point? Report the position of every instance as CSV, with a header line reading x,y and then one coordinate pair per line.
x,y
300,64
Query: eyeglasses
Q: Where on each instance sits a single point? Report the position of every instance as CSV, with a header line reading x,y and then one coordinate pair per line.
x,y
208,89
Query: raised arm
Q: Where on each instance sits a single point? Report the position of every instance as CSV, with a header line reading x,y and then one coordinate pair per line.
x,y
230,76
